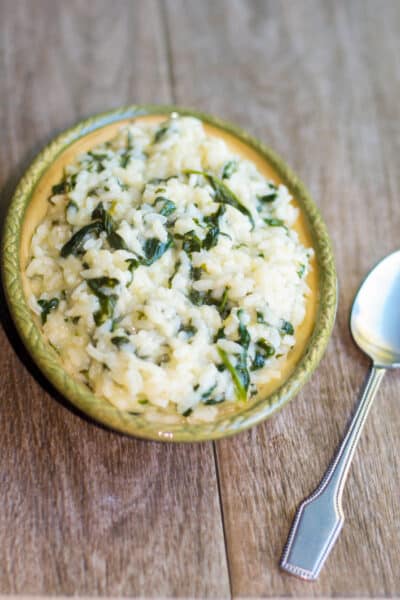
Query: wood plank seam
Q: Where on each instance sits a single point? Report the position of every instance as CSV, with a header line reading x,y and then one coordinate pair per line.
x,y
172,84
221,508
168,49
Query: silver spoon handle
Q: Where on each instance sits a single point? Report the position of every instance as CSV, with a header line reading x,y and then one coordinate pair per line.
x,y
319,518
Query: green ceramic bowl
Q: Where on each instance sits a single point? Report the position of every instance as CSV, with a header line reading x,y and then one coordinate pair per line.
x,y
28,207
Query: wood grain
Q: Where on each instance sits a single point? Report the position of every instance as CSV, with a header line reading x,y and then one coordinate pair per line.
x,y
319,82
86,511
89,512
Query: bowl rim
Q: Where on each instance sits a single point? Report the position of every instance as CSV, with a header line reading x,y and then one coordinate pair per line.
x,y
78,394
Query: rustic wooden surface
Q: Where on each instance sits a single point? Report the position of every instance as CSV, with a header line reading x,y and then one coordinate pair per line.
x,y
89,512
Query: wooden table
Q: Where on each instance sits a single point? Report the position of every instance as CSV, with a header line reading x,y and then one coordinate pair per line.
x,y
89,512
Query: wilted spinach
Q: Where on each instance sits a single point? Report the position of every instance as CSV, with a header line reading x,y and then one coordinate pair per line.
x,y
191,242
167,208
287,327
119,340
223,195
263,351
99,286
47,306
275,222
76,242
161,132
154,249
229,169
126,154
239,373
106,310
189,329
200,298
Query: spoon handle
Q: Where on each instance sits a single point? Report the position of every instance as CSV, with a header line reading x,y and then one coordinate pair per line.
x,y
320,518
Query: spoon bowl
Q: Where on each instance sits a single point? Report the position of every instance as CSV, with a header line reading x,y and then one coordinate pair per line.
x,y
375,316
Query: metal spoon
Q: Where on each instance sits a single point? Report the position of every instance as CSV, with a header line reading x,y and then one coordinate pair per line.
x,y
375,326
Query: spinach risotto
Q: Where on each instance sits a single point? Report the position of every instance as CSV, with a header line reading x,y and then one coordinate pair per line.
x,y
167,273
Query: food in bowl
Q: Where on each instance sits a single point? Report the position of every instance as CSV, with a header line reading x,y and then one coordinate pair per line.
x,y
167,272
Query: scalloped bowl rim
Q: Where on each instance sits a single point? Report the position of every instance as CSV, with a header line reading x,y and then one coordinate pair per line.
x,y
78,394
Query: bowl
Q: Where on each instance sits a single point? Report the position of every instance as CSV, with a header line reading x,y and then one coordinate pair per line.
x,y
28,207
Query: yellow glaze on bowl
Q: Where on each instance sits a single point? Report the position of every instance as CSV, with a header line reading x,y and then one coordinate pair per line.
x,y
28,208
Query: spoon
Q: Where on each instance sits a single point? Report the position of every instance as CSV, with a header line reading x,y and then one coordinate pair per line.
x,y
375,327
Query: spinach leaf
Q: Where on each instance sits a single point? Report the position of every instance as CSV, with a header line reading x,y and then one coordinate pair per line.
x,y
223,195
158,180
154,249
229,169
96,161
267,348
126,154
287,327
258,361
240,375
222,306
267,198
214,218
275,222
106,310
211,238
301,271
168,206
176,269
47,306
116,322
187,412
76,242
244,335
220,334
65,186
60,188
196,298
107,302
206,395
161,132
263,351
242,371
239,372
261,318
213,231
199,298
195,273
124,159
133,263
189,329
116,241
106,219
98,284
212,401
120,340
191,242
97,155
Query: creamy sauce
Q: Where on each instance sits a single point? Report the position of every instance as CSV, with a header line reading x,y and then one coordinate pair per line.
x,y
38,207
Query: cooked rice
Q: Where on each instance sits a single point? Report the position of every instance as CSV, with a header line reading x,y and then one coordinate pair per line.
x,y
185,290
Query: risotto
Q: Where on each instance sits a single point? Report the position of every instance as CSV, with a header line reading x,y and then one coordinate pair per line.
x,y
167,273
